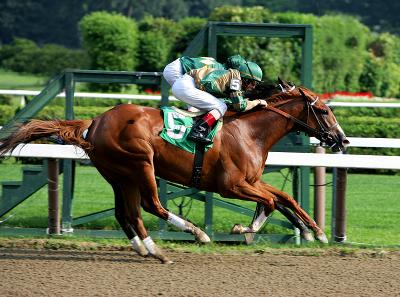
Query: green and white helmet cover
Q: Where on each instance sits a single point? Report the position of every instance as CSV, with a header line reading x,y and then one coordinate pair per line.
x,y
250,70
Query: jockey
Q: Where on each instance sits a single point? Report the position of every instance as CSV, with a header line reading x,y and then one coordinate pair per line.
x,y
202,87
179,67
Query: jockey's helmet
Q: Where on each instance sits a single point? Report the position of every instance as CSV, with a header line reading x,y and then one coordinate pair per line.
x,y
250,70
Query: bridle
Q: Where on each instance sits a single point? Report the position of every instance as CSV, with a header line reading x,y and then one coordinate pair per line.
x,y
323,133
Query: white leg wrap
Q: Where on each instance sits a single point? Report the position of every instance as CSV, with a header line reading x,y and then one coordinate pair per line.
x,y
150,245
258,222
177,221
136,243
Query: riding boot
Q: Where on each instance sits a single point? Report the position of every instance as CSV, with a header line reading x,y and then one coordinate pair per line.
x,y
199,132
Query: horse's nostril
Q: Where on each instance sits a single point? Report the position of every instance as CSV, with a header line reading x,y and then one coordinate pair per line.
x,y
345,142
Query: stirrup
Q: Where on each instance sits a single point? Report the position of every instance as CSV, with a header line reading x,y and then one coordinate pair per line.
x,y
199,138
199,132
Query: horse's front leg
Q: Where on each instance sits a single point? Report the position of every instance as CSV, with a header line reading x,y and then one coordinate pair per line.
x,y
260,217
287,202
251,192
270,199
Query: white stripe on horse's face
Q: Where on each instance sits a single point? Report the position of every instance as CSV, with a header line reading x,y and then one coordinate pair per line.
x,y
340,129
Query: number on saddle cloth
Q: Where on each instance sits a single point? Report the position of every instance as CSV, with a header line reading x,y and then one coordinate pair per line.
x,y
177,127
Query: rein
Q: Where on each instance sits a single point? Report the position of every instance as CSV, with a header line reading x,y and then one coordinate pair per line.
x,y
297,121
323,134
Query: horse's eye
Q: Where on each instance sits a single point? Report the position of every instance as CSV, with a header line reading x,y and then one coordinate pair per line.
x,y
324,111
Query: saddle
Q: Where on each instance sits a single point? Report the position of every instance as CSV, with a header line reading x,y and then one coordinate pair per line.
x,y
177,124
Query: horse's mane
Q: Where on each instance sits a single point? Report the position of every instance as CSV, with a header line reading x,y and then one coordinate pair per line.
x,y
262,90
282,96
290,95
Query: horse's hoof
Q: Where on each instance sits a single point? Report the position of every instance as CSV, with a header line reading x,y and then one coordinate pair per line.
x,y
138,247
238,229
142,251
167,261
163,259
201,236
322,238
249,237
160,256
307,236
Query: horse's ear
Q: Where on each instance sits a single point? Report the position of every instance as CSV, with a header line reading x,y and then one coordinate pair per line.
x,y
302,93
281,81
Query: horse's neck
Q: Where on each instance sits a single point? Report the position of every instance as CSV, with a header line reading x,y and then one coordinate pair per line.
x,y
271,126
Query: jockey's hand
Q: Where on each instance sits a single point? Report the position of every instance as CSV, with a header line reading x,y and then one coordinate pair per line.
x,y
262,102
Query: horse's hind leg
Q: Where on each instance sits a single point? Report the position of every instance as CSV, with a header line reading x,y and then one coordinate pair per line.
x,y
152,204
128,215
127,211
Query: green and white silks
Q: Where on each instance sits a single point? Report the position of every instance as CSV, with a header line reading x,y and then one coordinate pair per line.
x,y
177,127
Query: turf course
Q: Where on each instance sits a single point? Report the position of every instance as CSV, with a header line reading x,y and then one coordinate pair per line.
x,y
373,206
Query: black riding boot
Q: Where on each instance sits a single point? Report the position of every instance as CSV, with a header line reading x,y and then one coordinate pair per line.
x,y
199,132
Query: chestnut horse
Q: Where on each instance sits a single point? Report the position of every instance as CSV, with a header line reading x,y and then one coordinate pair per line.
x,y
124,145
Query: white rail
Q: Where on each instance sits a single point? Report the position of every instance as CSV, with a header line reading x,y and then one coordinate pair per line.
x,y
364,104
274,158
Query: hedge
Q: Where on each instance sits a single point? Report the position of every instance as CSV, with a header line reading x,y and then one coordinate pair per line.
x,y
6,113
23,55
371,123
111,41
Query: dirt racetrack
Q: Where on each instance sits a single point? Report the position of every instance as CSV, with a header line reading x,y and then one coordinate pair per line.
x,y
32,272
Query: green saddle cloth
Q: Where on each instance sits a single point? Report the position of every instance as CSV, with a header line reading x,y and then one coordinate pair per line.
x,y
177,127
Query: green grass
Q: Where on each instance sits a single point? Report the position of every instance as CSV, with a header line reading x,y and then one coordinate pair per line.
x,y
372,206
16,81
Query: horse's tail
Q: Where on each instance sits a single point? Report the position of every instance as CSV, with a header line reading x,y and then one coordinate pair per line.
x,y
69,131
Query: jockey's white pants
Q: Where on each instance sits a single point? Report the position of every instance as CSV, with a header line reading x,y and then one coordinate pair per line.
x,y
173,71
185,90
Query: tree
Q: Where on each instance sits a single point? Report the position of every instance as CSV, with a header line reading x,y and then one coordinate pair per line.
x,y
110,40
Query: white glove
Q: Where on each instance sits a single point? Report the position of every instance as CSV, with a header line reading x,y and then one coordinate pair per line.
x,y
262,102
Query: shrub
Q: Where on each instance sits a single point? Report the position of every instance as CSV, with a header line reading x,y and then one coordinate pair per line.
x,y
18,56
189,27
23,55
168,29
381,73
6,114
111,42
52,59
154,50
253,49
